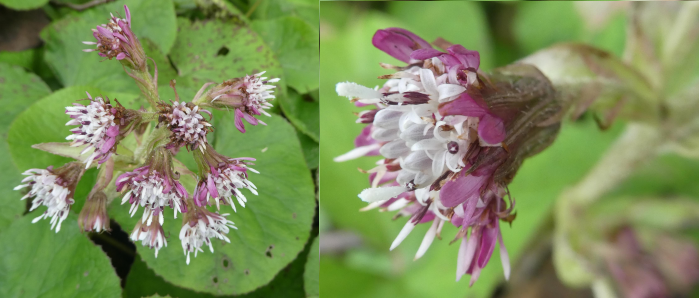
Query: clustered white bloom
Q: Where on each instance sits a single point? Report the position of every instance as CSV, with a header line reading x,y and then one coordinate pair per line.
x,y
201,228
50,191
188,125
96,128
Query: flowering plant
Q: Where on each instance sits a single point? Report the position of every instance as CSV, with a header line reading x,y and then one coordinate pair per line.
x,y
454,143
144,146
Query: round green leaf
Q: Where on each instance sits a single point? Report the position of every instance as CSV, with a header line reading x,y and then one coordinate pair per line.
x,y
215,51
311,275
295,43
37,262
272,228
18,89
303,112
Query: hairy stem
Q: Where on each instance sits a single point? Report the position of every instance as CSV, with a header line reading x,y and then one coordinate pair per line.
x,y
148,87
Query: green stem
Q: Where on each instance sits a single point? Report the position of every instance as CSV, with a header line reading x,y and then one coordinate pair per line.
x,y
637,144
148,87
151,142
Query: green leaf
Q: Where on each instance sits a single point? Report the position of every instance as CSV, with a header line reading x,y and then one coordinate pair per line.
x,y
23,4
37,262
154,20
142,281
302,111
196,53
310,149
306,10
165,71
32,59
18,90
272,228
311,275
295,44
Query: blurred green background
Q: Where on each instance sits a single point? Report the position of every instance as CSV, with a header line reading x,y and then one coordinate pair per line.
x,y
355,260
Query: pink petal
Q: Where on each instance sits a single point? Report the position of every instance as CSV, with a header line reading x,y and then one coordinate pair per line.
x,y
457,191
399,43
491,129
423,54
128,14
239,120
467,58
464,105
108,145
113,131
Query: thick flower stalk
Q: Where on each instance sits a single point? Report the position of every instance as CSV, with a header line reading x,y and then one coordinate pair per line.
x,y
222,178
153,187
53,188
199,226
116,40
249,96
100,126
451,139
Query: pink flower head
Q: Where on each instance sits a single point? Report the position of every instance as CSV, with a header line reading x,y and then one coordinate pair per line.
x,y
150,234
53,188
99,124
222,179
249,96
116,40
187,124
200,226
451,139
153,187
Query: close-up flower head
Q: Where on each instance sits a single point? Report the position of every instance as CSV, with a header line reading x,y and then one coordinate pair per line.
x,y
128,171
475,131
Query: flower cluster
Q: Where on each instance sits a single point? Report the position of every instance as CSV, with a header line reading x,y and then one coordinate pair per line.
x,y
200,226
99,126
450,142
54,189
153,187
186,123
223,178
142,166
248,96
116,40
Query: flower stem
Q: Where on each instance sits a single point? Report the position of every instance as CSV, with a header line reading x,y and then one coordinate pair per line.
x,y
637,144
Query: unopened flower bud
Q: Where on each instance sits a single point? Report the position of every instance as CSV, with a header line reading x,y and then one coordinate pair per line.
x,y
93,217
